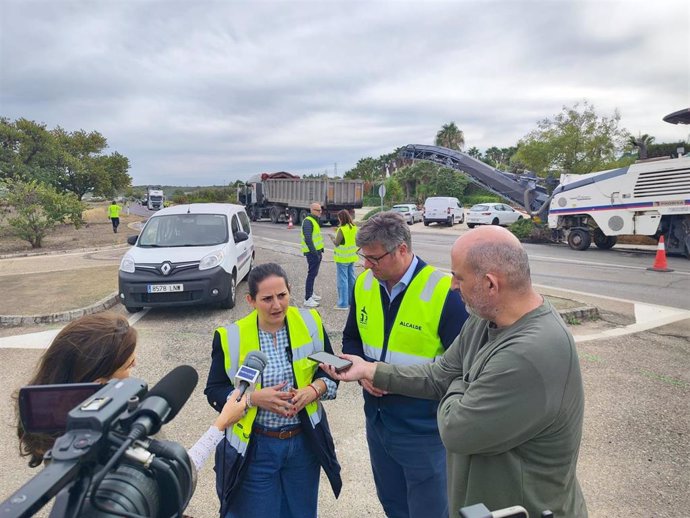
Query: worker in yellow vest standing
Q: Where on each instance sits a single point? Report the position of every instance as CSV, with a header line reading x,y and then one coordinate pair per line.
x,y
403,313
345,257
114,215
312,248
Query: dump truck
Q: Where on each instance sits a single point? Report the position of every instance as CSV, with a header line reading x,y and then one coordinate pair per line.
x,y
649,198
281,196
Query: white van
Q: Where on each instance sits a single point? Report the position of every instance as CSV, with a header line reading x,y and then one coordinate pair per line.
x,y
443,209
187,254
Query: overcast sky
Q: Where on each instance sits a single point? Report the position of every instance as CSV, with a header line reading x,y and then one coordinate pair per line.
x,y
200,92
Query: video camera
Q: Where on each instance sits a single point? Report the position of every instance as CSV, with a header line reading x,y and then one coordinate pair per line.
x,y
105,464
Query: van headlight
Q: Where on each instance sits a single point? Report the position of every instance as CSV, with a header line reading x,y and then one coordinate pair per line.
x,y
127,264
211,260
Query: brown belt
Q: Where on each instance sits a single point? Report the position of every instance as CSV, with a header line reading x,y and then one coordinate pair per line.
x,y
279,434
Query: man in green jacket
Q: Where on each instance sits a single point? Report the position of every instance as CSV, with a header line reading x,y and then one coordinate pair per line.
x,y
114,215
510,388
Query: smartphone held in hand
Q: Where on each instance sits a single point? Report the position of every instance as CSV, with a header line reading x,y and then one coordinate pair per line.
x,y
339,364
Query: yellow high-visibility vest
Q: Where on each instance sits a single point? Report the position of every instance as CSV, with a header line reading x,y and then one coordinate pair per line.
x,y
316,236
114,211
306,337
414,336
347,251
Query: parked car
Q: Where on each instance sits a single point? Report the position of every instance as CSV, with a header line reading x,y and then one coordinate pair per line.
x,y
443,209
187,254
492,214
409,211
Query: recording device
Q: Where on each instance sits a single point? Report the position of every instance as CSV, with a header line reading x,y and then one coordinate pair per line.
x,y
44,408
248,374
339,364
104,465
515,511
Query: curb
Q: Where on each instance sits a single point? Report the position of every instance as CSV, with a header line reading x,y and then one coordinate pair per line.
x,y
64,316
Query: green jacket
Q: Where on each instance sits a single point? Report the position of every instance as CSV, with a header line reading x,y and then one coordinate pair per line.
x,y
511,413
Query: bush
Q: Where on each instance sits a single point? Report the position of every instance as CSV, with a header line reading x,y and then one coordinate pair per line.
x,y
375,211
33,209
527,230
474,199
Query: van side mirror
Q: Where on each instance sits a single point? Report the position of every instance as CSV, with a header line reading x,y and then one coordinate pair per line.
x,y
240,236
132,240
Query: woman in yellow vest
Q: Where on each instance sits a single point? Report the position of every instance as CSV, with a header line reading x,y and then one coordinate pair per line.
x,y
345,257
269,463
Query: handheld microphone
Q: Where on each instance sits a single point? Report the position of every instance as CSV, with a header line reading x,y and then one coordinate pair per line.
x,y
254,364
163,401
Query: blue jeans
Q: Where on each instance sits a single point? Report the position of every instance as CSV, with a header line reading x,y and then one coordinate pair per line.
x,y
282,480
313,265
345,275
409,472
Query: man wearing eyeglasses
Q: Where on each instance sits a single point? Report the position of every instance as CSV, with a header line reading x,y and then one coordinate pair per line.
x,y
312,248
404,313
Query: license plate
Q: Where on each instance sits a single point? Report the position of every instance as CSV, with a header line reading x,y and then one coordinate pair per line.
x,y
164,288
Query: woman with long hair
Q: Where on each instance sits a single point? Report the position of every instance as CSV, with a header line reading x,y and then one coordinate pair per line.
x,y
269,464
95,349
345,257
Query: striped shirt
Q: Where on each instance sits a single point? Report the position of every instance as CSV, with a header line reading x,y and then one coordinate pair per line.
x,y
278,370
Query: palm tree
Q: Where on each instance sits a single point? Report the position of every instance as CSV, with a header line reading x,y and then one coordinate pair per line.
x,y
451,137
641,142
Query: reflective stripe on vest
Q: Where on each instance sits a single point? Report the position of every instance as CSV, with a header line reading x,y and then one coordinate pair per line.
x,y
414,336
347,251
316,236
306,337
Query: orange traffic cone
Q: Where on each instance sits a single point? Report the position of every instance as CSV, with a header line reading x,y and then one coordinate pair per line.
x,y
290,225
660,264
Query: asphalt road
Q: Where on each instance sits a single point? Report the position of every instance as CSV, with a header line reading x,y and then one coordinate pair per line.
x,y
621,272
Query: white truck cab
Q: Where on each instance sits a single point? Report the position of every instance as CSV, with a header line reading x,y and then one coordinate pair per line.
x,y
188,254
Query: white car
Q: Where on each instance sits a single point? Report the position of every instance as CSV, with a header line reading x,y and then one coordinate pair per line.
x,y
409,211
492,214
188,254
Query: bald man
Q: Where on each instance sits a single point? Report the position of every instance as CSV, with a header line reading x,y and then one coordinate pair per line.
x,y
312,248
510,387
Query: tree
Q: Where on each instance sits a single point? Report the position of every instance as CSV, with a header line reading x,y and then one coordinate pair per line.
x,y
451,137
641,142
475,153
576,140
33,209
27,150
82,167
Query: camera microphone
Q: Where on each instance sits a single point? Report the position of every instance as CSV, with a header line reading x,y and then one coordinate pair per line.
x,y
247,375
163,401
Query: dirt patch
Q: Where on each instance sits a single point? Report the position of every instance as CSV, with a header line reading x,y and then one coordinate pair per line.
x,y
45,293
98,232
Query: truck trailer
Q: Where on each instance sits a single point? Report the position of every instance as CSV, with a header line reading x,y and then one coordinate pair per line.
x,y
649,198
281,196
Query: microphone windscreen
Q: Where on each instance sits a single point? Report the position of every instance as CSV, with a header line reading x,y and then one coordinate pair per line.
x,y
176,387
256,360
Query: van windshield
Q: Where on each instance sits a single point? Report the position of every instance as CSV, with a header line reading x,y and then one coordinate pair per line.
x,y
184,230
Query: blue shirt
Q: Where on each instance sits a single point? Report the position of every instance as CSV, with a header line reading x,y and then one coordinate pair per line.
x,y
279,369
401,285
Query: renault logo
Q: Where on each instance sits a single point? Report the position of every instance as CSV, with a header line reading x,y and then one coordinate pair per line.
x,y
166,268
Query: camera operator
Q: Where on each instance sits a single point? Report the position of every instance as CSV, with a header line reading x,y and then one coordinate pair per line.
x,y
98,348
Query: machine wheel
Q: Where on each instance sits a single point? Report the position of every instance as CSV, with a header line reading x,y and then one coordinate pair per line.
x,y
229,301
470,225
602,241
133,309
495,221
275,214
295,215
303,215
579,239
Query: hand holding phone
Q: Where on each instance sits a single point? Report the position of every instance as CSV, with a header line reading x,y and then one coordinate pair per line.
x,y
339,364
